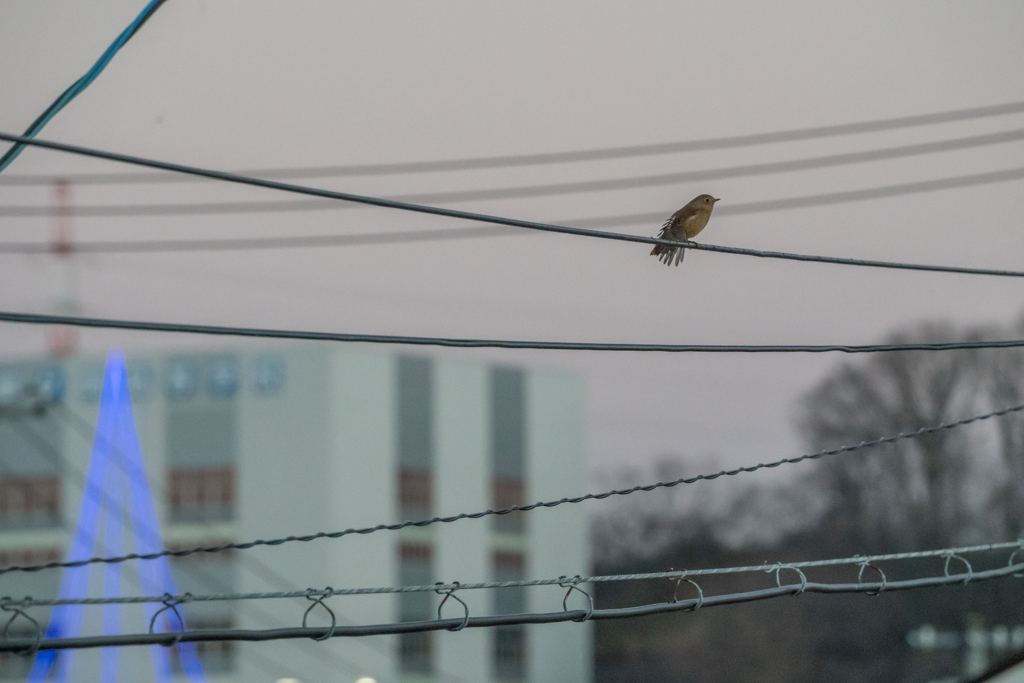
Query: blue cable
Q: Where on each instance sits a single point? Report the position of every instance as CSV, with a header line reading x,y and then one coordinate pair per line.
x,y
82,83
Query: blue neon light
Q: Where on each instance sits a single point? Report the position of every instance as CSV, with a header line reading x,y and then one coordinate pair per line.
x,y
116,442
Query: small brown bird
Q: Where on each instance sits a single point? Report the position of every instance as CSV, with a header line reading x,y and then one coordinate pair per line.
x,y
683,226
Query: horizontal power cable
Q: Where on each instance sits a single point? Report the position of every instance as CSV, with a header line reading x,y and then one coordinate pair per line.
x,y
82,83
517,160
264,333
499,220
258,243
467,621
857,560
556,189
522,508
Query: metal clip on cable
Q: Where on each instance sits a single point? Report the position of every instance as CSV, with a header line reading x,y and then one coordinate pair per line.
x,y
970,569
860,576
6,606
319,600
171,603
1009,563
778,567
573,585
675,594
450,593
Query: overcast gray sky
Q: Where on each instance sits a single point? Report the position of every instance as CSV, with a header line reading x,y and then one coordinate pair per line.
x,y
234,84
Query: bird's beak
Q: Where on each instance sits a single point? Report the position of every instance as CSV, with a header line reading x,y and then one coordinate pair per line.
x,y
717,199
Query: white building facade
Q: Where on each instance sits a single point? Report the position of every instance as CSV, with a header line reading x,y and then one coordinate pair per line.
x,y
268,444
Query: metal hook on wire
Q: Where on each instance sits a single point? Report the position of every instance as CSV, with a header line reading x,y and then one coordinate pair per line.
x,y
860,576
778,567
450,593
675,593
1009,563
319,600
6,606
573,585
171,603
970,569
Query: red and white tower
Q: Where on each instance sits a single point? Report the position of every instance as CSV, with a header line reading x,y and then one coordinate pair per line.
x,y
62,340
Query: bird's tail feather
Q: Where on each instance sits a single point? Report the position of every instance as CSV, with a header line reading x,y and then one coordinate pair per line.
x,y
666,254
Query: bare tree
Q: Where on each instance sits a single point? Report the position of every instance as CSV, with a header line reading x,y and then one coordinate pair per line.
x,y
1003,374
915,493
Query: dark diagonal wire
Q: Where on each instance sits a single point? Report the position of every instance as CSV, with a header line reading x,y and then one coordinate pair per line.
x,y
484,218
553,189
82,83
524,508
507,161
104,323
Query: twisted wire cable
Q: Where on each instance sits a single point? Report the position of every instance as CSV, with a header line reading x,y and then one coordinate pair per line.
x,y
517,508
81,84
525,583
467,621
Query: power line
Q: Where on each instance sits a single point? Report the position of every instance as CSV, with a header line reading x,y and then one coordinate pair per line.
x,y
406,237
857,560
499,220
218,330
518,160
525,508
256,243
467,621
542,190
82,83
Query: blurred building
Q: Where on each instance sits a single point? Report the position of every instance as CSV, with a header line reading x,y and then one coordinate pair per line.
x,y
254,444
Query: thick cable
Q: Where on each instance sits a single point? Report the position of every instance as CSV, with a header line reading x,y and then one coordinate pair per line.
x,y
219,330
499,220
519,160
82,83
220,635
517,508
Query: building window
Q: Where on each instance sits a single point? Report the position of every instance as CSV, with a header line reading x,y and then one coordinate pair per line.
x,y
181,380
510,653
201,445
28,502
415,437
201,495
215,657
415,568
505,494
26,557
508,446
509,644
414,494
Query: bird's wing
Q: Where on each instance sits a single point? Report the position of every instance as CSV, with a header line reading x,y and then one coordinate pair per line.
x,y
668,228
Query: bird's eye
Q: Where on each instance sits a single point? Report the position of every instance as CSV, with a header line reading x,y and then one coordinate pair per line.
x,y
706,200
